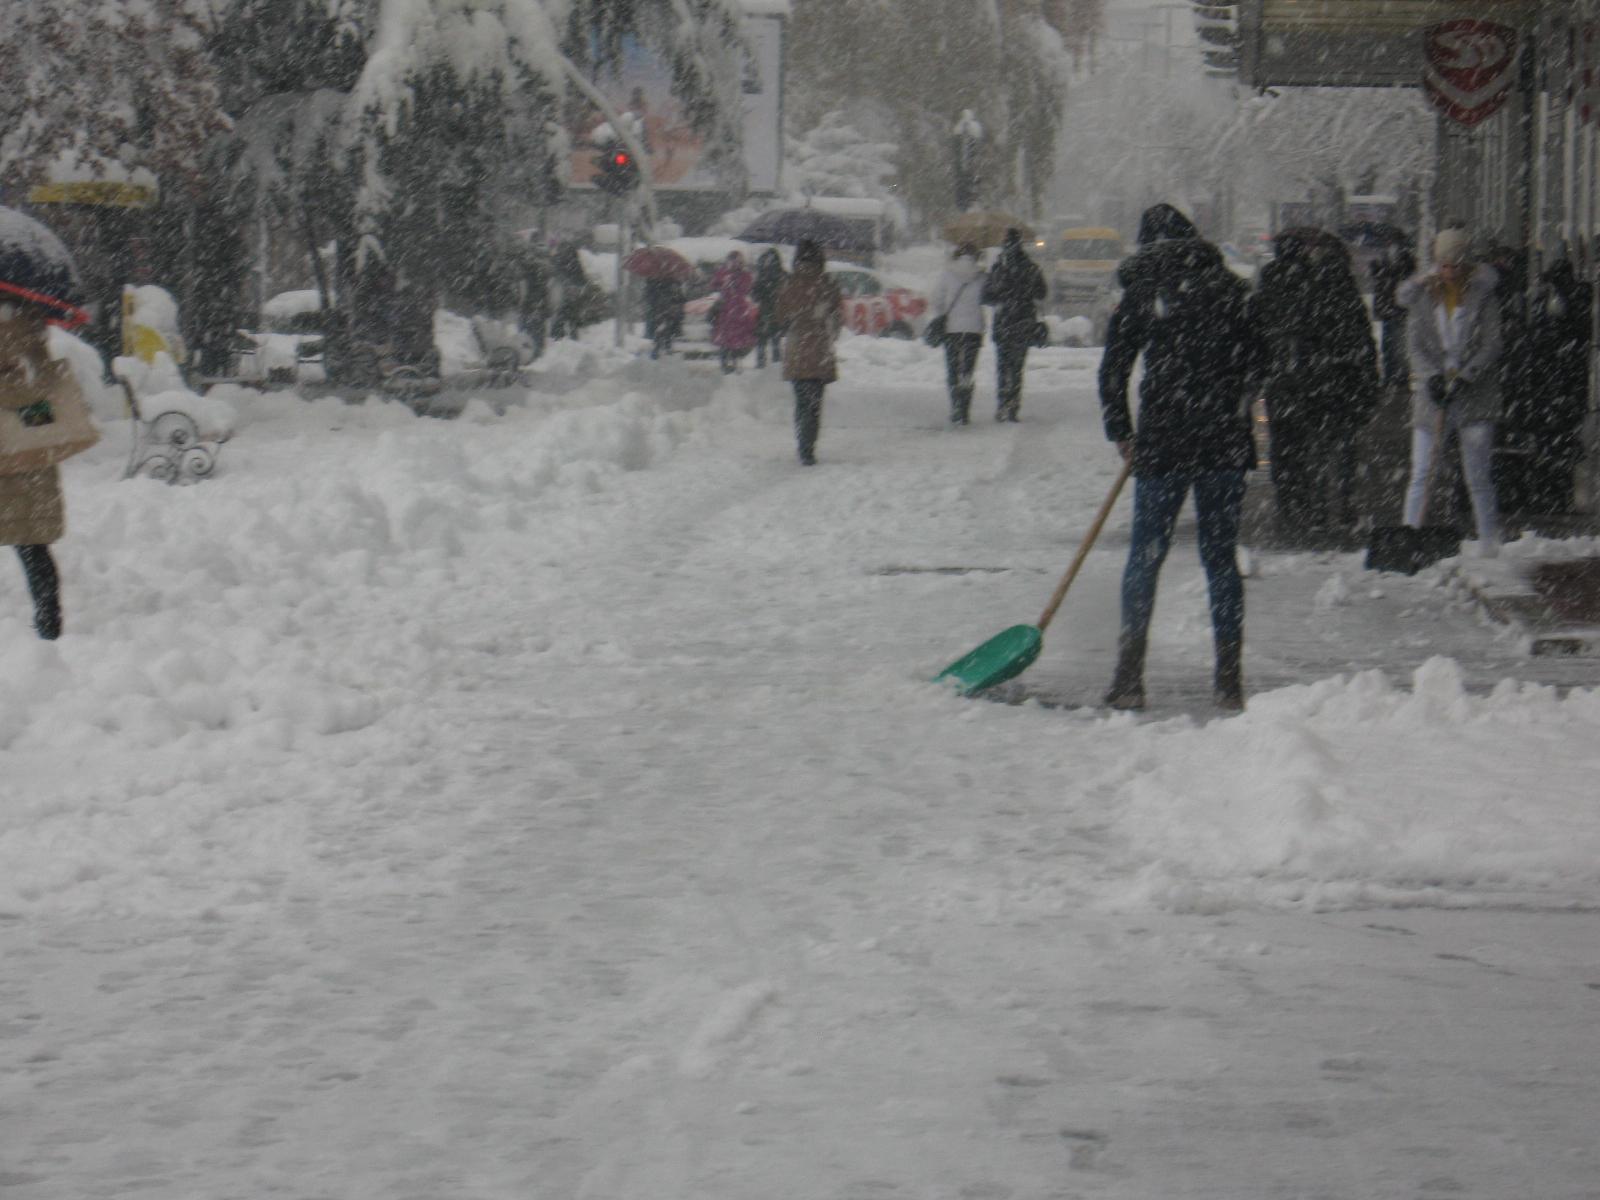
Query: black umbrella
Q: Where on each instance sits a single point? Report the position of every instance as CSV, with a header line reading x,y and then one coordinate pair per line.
x,y
791,226
36,266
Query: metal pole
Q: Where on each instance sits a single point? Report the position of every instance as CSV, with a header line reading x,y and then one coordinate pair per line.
x,y
624,239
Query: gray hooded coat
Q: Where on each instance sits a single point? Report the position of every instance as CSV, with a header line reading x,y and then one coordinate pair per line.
x,y
1479,320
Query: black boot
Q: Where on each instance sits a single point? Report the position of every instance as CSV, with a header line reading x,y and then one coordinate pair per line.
x,y
47,622
1127,682
1229,684
960,406
45,587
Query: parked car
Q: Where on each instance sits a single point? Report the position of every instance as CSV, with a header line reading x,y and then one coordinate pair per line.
x,y
873,305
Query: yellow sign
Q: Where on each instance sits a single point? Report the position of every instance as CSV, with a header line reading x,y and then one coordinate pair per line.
x,y
104,193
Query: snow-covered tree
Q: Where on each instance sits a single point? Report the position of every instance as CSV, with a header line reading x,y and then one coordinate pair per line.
x,y
905,73
401,130
834,158
91,83
397,130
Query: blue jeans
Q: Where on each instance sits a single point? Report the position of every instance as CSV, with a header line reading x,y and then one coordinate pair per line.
x,y
1218,497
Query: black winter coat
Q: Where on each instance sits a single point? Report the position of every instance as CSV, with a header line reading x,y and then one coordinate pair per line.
x,y
1015,286
1323,364
1557,383
770,278
1389,273
1190,316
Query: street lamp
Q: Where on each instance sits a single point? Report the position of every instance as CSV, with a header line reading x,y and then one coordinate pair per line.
x,y
967,135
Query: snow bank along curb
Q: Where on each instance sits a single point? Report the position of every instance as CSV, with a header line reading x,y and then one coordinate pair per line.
x,y
1509,590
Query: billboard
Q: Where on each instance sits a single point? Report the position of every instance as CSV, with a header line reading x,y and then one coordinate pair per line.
x,y
640,84
1353,43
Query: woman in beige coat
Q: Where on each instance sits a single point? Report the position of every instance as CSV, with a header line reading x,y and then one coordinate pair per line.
x,y
809,308
32,514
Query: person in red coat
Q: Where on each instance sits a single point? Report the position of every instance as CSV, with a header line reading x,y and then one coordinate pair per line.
x,y
733,331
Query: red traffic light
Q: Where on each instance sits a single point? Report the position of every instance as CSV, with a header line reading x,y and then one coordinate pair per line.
x,y
616,170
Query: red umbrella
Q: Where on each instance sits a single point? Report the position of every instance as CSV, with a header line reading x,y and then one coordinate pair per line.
x,y
657,262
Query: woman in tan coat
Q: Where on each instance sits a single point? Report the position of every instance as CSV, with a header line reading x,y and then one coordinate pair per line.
x,y
809,307
32,514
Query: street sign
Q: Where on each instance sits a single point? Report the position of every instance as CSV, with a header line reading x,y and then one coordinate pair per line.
x,y
1469,67
1352,43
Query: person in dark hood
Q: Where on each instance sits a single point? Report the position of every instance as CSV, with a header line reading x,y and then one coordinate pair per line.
x,y
1389,270
1544,376
1014,287
534,296
770,278
1190,318
1322,382
568,285
663,313
1551,431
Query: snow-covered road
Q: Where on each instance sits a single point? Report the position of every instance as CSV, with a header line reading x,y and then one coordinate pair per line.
x,y
553,805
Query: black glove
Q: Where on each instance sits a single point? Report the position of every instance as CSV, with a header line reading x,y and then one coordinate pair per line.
x,y
1438,390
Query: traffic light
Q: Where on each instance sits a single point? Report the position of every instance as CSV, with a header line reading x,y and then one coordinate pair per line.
x,y
616,172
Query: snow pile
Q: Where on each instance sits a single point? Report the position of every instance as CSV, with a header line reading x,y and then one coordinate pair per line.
x,y
236,651
1352,792
106,400
287,305
249,662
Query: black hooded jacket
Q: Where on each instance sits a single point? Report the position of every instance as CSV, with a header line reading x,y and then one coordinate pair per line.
x,y
1190,317
1324,366
1015,286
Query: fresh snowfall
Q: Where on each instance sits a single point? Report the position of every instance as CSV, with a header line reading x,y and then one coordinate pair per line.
x,y
552,803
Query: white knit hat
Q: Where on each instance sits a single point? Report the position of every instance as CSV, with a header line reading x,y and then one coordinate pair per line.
x,y
1451,247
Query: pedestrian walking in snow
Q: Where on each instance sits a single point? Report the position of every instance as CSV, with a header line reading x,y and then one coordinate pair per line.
x,y
568,285
1322,380
1190,318
809,307
770,278
663,313
1454,340
958,299
48,419
32,511
733,331
1014,287
533,312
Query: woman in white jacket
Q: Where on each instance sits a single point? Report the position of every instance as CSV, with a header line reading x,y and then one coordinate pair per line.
x,y
957,297
1454,342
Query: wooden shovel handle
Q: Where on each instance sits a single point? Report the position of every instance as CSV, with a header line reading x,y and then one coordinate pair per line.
x,y
1083,550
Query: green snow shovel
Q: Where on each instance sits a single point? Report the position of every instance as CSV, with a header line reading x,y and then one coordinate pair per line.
x,y
1011,652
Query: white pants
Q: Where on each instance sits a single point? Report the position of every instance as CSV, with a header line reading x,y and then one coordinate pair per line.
x,y
1477,449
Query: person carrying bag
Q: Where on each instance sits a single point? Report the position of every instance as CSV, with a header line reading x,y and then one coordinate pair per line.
x,y
959,328
43,420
